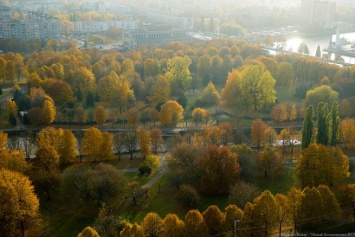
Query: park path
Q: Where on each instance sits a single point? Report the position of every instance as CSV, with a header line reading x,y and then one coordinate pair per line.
x,y
162,170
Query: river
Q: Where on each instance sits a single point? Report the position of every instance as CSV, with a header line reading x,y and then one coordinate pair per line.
x,y
293,43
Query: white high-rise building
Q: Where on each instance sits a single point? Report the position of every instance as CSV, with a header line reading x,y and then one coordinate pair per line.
x,y
318,14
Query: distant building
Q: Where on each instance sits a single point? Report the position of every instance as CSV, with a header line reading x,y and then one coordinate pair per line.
x,y
37,26
317,14
88,27
153,34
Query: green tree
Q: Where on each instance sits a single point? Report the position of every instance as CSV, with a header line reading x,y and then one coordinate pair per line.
x,y
308,126
334,124
319,94
322,124
258,86
178,73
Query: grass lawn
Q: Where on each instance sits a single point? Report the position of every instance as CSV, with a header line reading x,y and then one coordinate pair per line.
x,y
281,184
65,216
286,94
162,201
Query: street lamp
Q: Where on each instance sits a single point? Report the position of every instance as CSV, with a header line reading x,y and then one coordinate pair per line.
x,y
235,227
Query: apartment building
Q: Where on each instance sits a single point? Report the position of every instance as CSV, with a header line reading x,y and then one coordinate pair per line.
x,y
88,27
37,26
317,13
153,34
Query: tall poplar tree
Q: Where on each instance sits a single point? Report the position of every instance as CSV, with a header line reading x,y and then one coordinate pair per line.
x,y
307,130
322,123
334,126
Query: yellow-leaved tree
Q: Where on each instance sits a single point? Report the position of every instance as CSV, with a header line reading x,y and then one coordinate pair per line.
x,y
170,113
19,204
144,141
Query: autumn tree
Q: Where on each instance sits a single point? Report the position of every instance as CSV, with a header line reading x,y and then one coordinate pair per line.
x,y
172,226
195,225
106,146
258,86
265,207
232,91
10,111
10,71
152,225
156,137
322,165
133,116
270,162
198,114
347,131
317,206
19,204
294,196
14,160
160,91
270,136
258,128
100,115
214,219
241,193
42,107
88,232
170,113
144,141
68,150
183,163
91,144
284,214
45,170
132,230
232,214
219,170
3,65
178,73
279,113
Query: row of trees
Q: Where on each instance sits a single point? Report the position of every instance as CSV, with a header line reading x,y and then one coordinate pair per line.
x,y
267,214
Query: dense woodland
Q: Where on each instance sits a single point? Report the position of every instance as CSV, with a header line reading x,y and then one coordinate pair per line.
x,y
209,87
